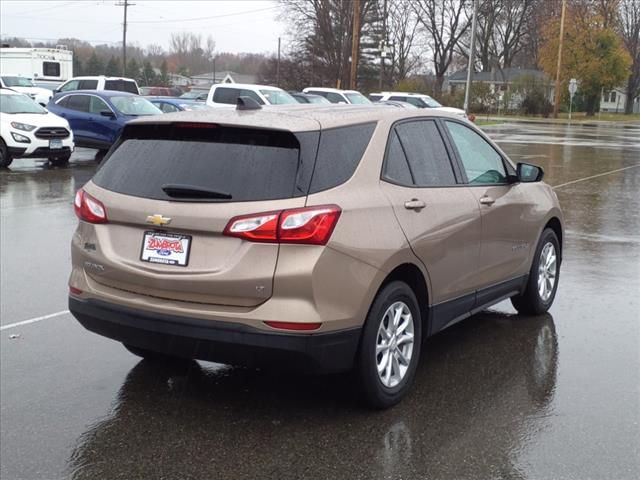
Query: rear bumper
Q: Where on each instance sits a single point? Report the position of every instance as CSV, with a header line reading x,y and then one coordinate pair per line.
x,y
218,341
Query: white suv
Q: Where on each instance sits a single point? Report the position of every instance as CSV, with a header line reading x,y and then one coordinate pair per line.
x,y
419,100
335,95
28,130
100,82
26,86
226,95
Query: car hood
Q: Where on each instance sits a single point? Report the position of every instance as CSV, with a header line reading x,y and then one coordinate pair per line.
x,y
38,119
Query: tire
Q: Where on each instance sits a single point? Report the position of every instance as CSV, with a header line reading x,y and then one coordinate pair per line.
x,y
152,356
5,158
60,161
536,299
385,389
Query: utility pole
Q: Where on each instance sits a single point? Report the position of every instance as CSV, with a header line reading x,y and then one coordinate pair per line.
x,y
278,66
355,45
472,51
125,4
383,48
556,103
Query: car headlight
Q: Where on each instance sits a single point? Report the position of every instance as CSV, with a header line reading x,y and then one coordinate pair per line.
x,y
23,126
20,138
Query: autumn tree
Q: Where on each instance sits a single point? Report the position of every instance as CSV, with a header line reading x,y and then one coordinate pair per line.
x,y
592,53
629,27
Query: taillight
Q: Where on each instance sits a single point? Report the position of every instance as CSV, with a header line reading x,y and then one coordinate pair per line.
x,y
88,208
294,325
310,225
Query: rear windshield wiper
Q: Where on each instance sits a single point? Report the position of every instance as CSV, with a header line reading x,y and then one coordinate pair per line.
x,y
193,191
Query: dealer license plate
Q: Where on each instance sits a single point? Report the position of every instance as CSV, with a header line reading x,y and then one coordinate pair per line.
x,y
166,248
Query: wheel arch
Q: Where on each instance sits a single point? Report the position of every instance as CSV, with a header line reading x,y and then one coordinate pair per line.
x,y
554,224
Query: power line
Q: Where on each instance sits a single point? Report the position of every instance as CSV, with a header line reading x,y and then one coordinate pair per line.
x,y
205,18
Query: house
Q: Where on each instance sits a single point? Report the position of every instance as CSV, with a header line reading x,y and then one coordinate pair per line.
x,y
615,100
500,81
224,76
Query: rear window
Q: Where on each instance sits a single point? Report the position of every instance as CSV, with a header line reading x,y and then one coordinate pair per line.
x,y
248,164
121,86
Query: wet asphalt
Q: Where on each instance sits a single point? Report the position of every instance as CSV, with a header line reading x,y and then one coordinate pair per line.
x,y
498,396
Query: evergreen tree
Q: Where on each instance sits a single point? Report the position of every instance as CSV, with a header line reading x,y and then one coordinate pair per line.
x,y
78,67
113,67
148,74
133,69
95,66
164,74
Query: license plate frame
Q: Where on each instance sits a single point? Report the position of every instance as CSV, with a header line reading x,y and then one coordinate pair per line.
x,y
55,144
172,256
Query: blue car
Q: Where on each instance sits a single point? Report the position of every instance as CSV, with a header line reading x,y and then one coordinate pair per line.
x,y
97,117
173,104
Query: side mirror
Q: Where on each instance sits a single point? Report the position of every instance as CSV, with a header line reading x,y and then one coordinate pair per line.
x,y
57,90
528,173
107,113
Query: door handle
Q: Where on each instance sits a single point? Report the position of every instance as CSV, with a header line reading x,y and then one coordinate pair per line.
x,y
487,200
414,204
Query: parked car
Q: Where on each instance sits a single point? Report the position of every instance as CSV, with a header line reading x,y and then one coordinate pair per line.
x,y
355,236
26,86
226,95
308,98
97,117
417,99
160,91
335,95
395,103
29,130
100,82
172,104
196,94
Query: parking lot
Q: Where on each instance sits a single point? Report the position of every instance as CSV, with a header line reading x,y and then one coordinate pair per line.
x,y
496,396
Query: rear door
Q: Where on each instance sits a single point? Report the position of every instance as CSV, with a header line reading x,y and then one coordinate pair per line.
x,y
438,215
78,115
171,245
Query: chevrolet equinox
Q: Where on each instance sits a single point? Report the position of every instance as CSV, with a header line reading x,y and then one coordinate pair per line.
x,y
334,238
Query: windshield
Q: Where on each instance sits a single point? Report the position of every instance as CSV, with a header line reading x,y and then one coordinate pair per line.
x,y
19,104
278,97
430,102
357,98
17,82
135,105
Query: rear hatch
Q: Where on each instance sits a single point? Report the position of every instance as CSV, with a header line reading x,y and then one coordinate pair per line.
x,y
169,191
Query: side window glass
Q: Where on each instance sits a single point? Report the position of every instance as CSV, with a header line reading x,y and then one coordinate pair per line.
x,y
88,85
226,95
396,168
168,108
397,98
335,97
482,164
72,85
79,103
427,156
253,95
416,101
97,105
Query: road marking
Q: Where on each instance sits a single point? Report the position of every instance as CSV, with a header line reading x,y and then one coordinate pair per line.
x,y
33,320
594,176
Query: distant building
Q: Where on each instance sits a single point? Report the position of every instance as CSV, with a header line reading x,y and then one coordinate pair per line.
x,y
223,76
615,100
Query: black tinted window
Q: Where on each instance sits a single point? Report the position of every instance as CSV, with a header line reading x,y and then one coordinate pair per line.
x,y
339,154
247,164
397,98
226,95
396,168
78,102
88,85
50,69
427,156
121,86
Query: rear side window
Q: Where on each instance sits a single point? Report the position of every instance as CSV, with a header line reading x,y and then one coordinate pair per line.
x,y
426,154
396,168
88,85
339,154
226,95
121,86
248,164
78,102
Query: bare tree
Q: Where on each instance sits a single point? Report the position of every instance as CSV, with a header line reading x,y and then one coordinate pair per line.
x,y
629,25
402,31
445,22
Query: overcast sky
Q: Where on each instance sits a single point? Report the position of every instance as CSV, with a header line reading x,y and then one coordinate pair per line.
x,y
236,25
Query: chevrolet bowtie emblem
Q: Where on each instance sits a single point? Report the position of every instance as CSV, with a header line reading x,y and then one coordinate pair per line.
x,y
158,219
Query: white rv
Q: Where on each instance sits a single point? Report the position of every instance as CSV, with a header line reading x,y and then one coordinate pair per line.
x,y
37,64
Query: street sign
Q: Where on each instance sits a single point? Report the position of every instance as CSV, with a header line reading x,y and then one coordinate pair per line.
x,y
573,87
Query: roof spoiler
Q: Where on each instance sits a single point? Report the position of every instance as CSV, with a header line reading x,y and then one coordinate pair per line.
x,y
247,103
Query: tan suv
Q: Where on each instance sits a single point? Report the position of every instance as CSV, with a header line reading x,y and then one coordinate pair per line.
x,y
302,236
